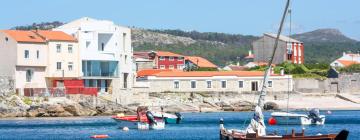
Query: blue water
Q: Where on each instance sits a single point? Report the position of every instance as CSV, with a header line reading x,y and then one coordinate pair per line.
x,y
194,126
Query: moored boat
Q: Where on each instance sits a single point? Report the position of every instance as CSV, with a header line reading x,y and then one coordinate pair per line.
x,y
284,118
169,118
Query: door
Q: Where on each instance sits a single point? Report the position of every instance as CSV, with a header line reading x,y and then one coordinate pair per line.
x,y
125,80
334,87
102,86
254,86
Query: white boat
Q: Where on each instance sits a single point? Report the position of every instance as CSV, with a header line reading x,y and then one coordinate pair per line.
x,y
169,118
284,118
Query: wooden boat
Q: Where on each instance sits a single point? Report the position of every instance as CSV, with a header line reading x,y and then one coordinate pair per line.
x,y
144,120
256,130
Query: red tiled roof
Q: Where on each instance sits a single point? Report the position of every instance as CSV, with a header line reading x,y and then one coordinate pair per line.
x,y
163,53
200,62
171,73
150,72
347,63
55,35
24,36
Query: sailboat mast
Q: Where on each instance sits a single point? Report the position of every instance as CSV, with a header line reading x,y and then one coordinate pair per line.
x,y
268,70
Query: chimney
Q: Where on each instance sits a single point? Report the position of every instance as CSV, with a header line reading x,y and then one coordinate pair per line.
x,y
282,72
344,53
250,53
238,63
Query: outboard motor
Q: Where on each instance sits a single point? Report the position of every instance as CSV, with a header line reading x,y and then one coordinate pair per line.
x,y
314,114
179,117
150,117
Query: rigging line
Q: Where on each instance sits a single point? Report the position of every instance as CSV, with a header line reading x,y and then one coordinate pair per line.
x,y
267,72
288,92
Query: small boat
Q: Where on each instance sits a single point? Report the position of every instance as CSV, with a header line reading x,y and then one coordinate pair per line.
x,y
103,136
169,118
144,120
284,118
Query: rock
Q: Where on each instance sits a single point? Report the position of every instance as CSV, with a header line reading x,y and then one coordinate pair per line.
x,y
72,109
64,114
271,106
243,106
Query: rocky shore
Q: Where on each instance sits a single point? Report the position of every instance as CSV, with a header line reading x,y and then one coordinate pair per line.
x,y
15,106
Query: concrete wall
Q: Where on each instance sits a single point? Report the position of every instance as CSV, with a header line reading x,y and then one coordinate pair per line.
x,y
263,49
38,79
32,60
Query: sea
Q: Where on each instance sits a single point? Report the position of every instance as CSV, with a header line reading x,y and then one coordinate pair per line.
x,y
195,126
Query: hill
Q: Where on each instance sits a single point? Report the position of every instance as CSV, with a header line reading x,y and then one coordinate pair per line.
x,y
321,46
324,36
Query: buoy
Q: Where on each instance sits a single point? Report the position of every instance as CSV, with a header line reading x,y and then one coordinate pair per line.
x,y
126,128
272,121
328,112
99,136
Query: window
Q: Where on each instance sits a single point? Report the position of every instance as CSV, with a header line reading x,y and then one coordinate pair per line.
x,y
70,66
270,83
161,58
193,84
124,41
176,84
37,54
171,58
29,75
180,58
27,55
125,59
180,67
58,65
171,66
102,47
87,44
162,66
254,86
223,84
6,39
299,51
241,84
208,84
295,51
70,48
58,48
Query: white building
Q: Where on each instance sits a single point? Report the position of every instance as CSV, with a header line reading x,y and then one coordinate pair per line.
x,y
346,60
105,53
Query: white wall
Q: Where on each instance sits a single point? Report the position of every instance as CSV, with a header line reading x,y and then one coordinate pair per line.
x,y
8,55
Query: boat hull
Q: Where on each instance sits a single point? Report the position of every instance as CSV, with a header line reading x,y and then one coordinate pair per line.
x,y
296,119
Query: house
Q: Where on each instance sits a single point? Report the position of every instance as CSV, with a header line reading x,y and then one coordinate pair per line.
x,y
346,60
161,60
105,53
288,49
38,59
63,62
210,81
143,61
199,63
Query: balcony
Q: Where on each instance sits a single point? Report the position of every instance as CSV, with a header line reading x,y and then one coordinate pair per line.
x,y
101,69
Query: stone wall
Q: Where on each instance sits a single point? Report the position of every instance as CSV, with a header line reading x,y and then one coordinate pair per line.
x,y
6,85
346,83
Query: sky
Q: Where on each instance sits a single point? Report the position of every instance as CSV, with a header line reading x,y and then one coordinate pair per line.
x,y
248,17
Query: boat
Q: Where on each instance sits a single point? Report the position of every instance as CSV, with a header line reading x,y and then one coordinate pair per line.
x,y
169,118
284,118
144,120
256,129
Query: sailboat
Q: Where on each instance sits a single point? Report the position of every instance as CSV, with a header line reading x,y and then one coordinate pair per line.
x,y
256,130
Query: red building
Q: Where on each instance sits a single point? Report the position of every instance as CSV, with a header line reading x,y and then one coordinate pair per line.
x,y
159,60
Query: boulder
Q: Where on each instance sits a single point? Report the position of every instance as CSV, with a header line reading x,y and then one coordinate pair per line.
x,y
243,106
271,106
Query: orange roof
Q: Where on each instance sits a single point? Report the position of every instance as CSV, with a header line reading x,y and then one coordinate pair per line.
x,y
237,68
150,72
24,36
162,53
200,62
55,35
170,73
347,63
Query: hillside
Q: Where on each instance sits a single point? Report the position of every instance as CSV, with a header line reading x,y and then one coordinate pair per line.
x,y
321,46
324,36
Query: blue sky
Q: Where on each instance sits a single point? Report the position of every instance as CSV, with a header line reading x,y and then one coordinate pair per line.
x,y
251,17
